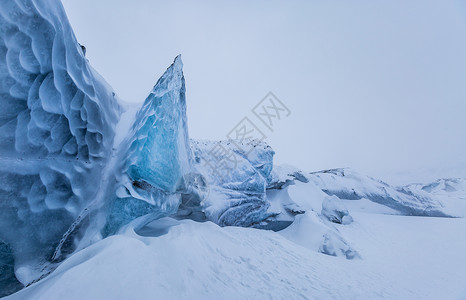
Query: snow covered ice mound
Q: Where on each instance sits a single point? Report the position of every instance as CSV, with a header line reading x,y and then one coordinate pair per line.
x,y
310,231
236,178
335,211
56,133
349,185
155,158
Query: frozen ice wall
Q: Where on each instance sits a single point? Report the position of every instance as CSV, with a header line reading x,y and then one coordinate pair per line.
x,y
57,122
160,172
155,159
237,174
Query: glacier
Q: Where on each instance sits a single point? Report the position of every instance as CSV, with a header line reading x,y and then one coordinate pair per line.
x,y
155,159
161,172
236,177
66,183
56,135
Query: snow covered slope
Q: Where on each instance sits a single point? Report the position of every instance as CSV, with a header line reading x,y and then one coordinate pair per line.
x,y
402,258
442,187
450,191
57,123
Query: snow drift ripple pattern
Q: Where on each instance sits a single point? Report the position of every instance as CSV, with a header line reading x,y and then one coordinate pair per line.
x,y
56,130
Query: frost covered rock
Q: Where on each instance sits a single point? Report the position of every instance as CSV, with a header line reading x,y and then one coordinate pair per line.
x,y
350,185
236,178
56,133
335,211
155,159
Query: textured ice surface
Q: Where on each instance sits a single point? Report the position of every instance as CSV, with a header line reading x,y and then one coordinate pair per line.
x,y
156,157
236,180
57,124
8,282
350,185
335,211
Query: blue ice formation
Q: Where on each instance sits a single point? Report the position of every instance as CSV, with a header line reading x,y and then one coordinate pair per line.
x,y
160,172
155,159
237,174
56,134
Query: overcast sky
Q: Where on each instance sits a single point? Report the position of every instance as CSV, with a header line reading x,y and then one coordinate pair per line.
x,y
379,86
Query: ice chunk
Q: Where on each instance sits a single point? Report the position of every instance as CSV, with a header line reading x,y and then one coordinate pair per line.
x,y
237,180
350,185
156,156
56,133
159,145
335,211
257,152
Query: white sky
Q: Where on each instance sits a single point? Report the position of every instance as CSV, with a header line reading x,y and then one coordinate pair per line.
x,y
379,86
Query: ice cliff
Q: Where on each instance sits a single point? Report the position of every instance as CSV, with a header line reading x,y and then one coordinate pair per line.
x,y
56,133
155,159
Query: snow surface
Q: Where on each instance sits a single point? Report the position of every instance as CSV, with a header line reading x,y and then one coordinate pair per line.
x,y
402,257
